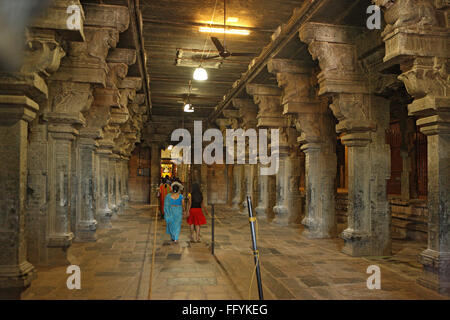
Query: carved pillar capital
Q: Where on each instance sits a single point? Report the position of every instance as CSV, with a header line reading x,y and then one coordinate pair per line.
x,y
248,112
223,124
67,102
268,99
334,47
43,52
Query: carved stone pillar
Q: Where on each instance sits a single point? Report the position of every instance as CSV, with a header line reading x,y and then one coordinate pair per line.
x,y
43,58
223,124
272,189
420,45
248,112
155,172
86,224
314,122
363,119
104,151
238,171
16,273
64,114
238,196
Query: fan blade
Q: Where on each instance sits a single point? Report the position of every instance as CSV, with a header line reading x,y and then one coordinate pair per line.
x,y
218,45
212,57
241,54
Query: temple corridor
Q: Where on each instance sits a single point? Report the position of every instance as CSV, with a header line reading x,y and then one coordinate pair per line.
x,y
118,265
332,116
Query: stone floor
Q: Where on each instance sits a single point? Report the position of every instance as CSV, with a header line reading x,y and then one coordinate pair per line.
x,y
118,265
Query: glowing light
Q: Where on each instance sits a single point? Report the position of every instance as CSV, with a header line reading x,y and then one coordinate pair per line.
x,y
200,74
233,20
170,147
241,32
188,108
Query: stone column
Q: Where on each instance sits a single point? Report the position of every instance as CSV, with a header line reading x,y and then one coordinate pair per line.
x,y
155,172
268,99
44,56
86,224
223,124
16,273
238,168
248,112
363,119
314,122
70,97
425,59
237,186
104,151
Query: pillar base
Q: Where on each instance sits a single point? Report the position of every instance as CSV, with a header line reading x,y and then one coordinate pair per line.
x,y
57,246
436,271
356,244
235,206
86,231
312,230
104,219
262,213
15,279
281,215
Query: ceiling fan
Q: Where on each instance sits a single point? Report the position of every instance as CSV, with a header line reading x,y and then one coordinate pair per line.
x,y
223,52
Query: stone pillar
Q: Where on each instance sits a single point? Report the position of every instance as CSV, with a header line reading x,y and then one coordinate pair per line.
x,y
268,100
314,122
90,201
104,151
63,116
282,210
16,273
247,113
363,119
86,224
155,173
125,175
230,184
237,186
262,208
223,124
70,99
425,60
295,199
43,58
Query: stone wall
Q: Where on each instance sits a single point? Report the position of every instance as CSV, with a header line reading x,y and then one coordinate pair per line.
x,y
409,218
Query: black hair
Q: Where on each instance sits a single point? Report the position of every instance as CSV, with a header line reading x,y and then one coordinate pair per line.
x,y
176,188
196,193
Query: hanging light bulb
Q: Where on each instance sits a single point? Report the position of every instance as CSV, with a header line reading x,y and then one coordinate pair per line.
x,y
200,74
188,108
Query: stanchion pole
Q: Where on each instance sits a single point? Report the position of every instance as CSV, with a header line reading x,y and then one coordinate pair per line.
x,y
212,230
252,220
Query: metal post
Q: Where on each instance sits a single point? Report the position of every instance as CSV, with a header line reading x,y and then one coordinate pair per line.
x,y
252,220
212,230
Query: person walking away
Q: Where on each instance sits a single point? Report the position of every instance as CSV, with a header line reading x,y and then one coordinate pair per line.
x,y
164,190
196,207
173,212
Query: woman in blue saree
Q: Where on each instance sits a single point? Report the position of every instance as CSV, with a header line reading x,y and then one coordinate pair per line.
x,y
173,212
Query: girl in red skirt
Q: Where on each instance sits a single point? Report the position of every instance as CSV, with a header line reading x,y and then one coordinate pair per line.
x,y
196,208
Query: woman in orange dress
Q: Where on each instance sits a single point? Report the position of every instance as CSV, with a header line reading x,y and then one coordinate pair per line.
x,y
196,208
164,190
